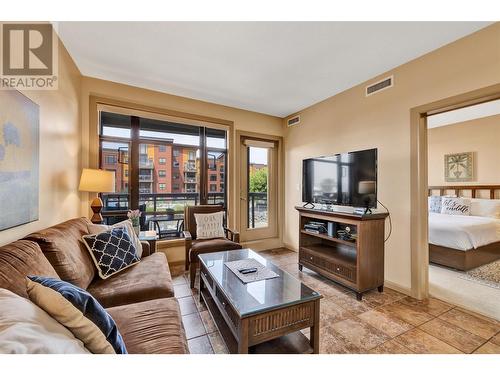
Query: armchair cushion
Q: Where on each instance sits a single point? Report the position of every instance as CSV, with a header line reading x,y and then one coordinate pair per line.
x,y
211,246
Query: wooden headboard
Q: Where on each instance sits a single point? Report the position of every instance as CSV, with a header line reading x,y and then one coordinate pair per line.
x,y
472,188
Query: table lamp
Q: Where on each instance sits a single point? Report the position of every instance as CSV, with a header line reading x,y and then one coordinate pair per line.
x,y
367,188
97,181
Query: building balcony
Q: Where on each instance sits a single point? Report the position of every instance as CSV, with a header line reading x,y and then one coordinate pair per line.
x,y
145,178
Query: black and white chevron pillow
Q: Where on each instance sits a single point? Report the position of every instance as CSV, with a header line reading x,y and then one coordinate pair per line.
x,y
112,251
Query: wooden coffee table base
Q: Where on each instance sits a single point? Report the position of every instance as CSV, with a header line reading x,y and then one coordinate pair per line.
x,y
275,330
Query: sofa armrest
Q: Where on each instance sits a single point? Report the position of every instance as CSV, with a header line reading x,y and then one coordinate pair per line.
x,y
232,235
146,249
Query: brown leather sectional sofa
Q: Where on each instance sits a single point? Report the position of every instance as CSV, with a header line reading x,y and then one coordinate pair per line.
x,y
140,299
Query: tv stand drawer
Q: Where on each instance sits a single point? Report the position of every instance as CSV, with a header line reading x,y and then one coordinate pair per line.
x,y
328,264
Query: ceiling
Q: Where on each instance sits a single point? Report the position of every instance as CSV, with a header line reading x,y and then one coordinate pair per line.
x,y
276,68
472,112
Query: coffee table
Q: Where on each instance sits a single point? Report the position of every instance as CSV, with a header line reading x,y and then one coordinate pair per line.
x,y
271,311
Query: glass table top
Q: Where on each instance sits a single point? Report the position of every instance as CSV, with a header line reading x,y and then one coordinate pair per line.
x,y
257,296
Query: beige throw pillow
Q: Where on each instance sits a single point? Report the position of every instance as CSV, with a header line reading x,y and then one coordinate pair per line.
x,y
209,225
27,329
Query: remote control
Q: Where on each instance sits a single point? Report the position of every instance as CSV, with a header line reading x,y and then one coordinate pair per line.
x,y
248,270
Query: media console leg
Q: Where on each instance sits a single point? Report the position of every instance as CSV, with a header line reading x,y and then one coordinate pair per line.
x,y
300,267
380,288
359,296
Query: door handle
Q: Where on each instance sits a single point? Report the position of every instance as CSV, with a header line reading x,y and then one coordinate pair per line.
x,y
243,198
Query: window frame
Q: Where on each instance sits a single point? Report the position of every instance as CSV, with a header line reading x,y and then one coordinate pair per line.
x,y
134,142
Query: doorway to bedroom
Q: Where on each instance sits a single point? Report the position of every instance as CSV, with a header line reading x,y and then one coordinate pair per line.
x,y
463,175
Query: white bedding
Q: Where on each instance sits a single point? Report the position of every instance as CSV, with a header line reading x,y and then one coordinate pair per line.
x,y
462,232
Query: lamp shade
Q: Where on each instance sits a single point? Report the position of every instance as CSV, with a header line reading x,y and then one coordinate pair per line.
x,y
366,187
97,181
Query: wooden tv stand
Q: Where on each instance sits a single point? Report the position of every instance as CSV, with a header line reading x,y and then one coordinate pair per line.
x,y
357,264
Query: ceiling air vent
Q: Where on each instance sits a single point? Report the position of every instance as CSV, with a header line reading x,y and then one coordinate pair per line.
x,y
380,85
292,121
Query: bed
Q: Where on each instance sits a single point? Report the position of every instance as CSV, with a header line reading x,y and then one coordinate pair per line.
x,y
463,242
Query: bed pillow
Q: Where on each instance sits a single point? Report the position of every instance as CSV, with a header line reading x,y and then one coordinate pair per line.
x,y
435,203
79,312
112,251
209,225
99,228
27,329
485,207
455,206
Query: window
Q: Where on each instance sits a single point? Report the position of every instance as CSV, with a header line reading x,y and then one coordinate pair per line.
x,y
110,159
155,176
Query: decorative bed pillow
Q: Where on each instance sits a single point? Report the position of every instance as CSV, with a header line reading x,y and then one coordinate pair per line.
x,y
26,329
455,206
435,203
79,312
112,251
99,228
485,207
209,225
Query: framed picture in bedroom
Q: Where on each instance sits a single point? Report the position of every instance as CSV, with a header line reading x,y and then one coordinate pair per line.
x,y
459,167
19,158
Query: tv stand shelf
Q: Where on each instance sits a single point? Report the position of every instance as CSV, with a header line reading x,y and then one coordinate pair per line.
x,y
356,264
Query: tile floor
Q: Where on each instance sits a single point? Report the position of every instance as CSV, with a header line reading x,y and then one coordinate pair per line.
x,y
388,322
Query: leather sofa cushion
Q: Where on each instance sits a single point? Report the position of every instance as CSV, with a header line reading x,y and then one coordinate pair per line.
x,y
148,279
151,327
211,246
63,247
20,259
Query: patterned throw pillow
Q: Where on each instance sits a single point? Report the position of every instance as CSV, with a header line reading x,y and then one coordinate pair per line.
x,y
79,312
99,228
112,251
435,203
209,225
455,206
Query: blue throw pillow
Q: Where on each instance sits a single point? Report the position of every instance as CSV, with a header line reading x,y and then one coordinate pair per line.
x,y
78,311
112,251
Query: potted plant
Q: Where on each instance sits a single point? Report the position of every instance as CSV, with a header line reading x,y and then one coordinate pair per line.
x,y
134,216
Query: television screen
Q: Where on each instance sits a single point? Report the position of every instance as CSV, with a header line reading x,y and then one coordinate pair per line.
x,y
348,179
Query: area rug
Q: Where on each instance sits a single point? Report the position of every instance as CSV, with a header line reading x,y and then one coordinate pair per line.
x,y
488,275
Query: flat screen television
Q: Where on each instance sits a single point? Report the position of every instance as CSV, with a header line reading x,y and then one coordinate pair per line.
x,y
348,179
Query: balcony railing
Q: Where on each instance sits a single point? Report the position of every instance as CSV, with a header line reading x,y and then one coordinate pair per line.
x,y
257,210
146,178
158,203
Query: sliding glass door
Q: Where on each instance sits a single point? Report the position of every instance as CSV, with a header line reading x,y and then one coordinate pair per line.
x,y
160,167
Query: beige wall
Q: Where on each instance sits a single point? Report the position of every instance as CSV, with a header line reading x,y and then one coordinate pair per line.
x,y
351,121
60,137
480,136
243,120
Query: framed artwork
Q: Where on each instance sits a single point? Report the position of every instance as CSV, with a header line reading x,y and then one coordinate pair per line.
x,y
459,167
19,158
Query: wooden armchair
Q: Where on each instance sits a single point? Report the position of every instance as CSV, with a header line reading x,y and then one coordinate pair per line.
x,y
195,247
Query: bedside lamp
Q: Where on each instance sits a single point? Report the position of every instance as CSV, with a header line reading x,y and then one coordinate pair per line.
x,y
97,181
